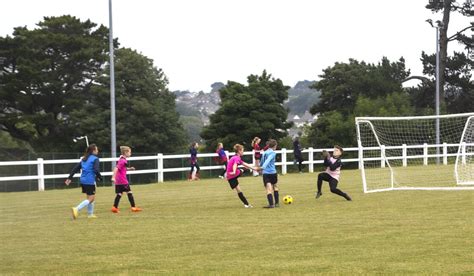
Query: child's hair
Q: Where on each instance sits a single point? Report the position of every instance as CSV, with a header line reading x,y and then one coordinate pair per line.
x,y
193,144
254,141
238,147
220,145
339,148
89,150
124,149
272,143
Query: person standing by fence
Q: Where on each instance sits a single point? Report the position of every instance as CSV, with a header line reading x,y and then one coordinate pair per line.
x,y
194,173
298,154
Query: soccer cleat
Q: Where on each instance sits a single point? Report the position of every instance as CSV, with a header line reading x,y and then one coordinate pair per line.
x,y
221,177
269,206
136,209
318,194
115,210
92,216
277,205
348,198
248,206
75,213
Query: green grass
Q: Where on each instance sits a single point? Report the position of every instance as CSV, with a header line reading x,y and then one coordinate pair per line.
x,y
202,228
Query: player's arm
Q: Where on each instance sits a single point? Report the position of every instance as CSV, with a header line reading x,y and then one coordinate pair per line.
x,y
248,166
98,176
234,169
336,165
114,174
74,170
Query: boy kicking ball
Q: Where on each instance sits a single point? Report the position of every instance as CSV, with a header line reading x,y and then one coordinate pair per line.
x,y
333,170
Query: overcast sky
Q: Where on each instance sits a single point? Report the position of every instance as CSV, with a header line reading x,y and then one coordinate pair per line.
x,y
199,42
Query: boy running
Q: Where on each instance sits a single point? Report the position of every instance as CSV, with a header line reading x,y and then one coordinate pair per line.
x,y
119,178
270,177
233,173
333,170
222,158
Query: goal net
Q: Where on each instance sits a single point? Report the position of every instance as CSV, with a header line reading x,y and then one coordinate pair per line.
x,y
416,153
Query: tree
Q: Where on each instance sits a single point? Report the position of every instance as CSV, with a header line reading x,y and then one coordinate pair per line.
x,y
446,7
48,72
145,108
249,111
357,89
55,85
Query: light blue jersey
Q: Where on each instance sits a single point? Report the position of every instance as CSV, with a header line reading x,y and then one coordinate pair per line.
x,y
267,162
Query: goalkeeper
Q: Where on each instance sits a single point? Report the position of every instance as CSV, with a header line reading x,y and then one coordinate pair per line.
x,y
333,170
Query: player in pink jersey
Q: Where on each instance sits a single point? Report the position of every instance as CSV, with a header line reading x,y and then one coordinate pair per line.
x,y
333,170
119,178
233,172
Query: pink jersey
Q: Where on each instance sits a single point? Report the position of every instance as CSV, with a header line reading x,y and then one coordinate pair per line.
x,y
121,175
334,174
230,166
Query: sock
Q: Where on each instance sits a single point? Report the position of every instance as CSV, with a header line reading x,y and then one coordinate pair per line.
x,y
131,199
90,209
242,197
82,204
270,199
277,198
117,200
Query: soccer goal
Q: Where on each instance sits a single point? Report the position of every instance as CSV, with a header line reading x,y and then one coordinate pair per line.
x,y
416,153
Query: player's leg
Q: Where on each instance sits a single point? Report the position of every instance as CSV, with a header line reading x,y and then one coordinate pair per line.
x,y
118,197
241,196
269,190
322,177
276,195
90,206
333,185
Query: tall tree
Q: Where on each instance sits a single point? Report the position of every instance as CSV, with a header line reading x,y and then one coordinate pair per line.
x,y
47,73
446,7
145,108
356,89
249,110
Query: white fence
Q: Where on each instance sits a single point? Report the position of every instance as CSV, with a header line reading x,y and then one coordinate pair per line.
x,y
283,163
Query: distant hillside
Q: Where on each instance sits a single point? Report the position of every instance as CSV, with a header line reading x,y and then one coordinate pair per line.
x,y
196,107
301,98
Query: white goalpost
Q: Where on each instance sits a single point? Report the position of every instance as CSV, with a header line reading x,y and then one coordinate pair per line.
x,y
402,153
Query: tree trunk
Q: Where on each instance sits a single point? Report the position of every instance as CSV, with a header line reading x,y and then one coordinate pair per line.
x,y
443,49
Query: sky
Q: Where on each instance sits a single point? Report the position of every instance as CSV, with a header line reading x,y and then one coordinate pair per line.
x,y
199,42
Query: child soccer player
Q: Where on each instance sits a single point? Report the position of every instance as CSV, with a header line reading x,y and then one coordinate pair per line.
x,y
270,177
257,153
119,178
222,158
194,175
233,173
333,170
89,166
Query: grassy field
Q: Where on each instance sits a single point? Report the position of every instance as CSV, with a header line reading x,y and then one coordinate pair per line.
x,y
202,228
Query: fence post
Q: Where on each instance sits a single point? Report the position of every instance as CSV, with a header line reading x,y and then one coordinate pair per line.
x,y
283,161
160,167
425,154
404,154
382,156
463,153
445,154
310,160
40,174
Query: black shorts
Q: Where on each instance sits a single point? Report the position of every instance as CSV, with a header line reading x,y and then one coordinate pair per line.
x,y
88,189
234,182
122,189
270,178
